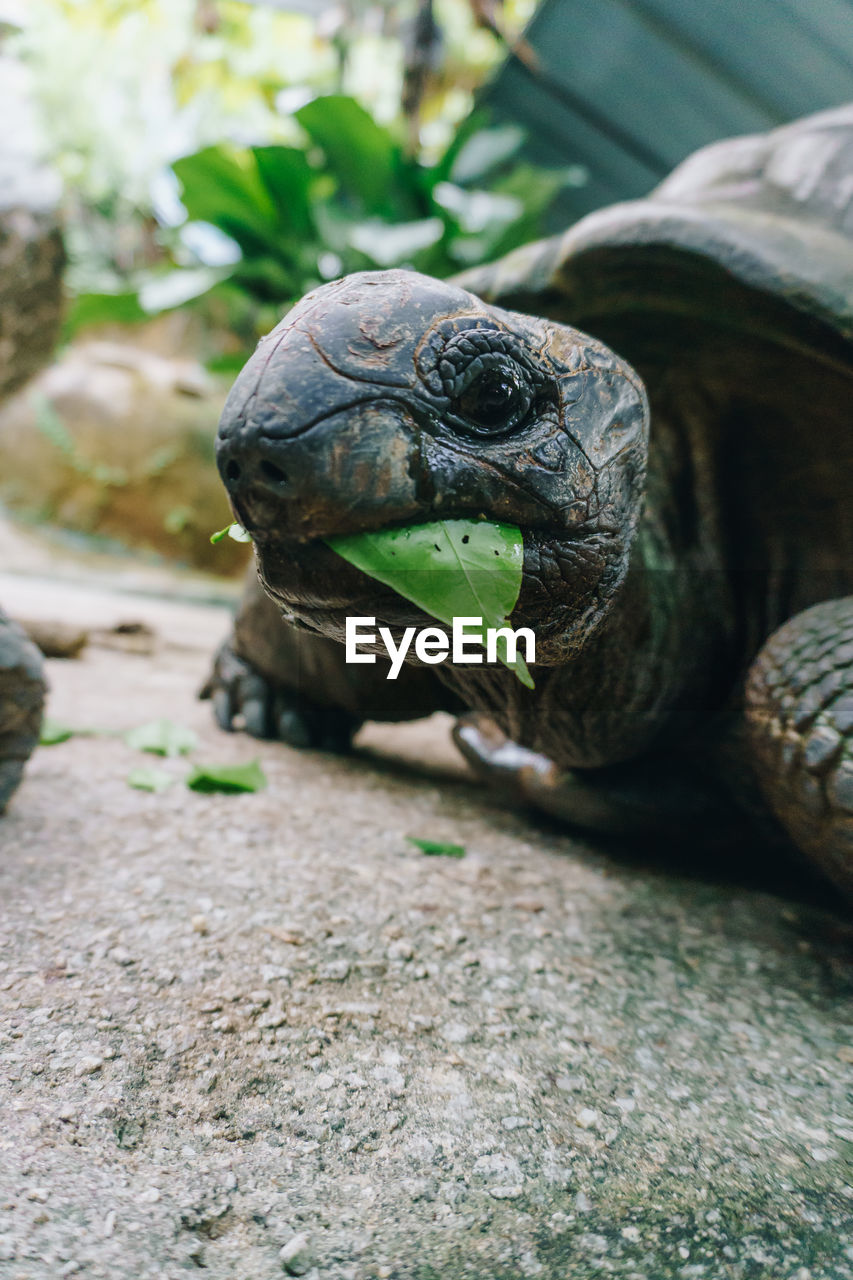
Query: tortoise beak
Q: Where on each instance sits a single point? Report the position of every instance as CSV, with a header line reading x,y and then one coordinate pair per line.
x,y
350,471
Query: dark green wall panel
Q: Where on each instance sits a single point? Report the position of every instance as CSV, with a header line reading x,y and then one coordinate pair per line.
x,y
628,88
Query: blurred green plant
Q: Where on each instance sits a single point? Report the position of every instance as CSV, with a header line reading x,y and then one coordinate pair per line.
x,y
265,224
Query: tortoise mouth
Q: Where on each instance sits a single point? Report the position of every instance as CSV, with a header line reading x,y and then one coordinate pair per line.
x,y
318,589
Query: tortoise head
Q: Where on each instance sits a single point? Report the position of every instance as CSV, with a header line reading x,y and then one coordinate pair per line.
x,y
391,399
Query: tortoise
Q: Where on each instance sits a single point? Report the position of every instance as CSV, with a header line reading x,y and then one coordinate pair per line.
x,y
686,504
30,313
22,694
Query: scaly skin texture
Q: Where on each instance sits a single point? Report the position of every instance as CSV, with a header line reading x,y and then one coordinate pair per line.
x,y
799,712
646,626
658,560
22,692
277,681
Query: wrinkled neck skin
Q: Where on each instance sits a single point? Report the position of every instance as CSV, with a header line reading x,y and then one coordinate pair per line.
x,y
664,658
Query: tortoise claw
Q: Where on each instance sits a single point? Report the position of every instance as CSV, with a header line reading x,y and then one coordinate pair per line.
x,y
499,761
243,699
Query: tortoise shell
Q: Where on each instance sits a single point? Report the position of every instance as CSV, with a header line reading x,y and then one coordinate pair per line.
x,y
772,212
730,290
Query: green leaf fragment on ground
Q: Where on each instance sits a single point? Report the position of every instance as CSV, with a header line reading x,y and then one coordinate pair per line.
x,y
448,568
150,779
53,732
162,738
437,848
227,777
235,531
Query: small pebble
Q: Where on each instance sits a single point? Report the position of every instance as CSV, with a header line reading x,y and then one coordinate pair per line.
x,y
296,1255
272,1018
391,1077
508,1191
455,1032
88,1065
199,924
587,1117
400,950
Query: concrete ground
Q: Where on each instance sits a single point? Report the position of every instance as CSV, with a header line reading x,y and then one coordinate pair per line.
x,y
261,1034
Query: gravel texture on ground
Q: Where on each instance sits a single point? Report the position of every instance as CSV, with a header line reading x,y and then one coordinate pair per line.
x,y
262,1035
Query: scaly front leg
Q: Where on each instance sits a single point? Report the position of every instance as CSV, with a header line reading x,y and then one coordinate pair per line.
x,y
799,714
275,681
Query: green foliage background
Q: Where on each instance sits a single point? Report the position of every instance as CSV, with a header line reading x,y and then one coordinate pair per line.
x,y
230,156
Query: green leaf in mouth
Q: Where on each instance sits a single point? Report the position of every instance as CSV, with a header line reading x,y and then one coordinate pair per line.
x,y
450,569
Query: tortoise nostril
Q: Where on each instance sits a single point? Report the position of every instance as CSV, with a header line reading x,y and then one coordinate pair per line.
x,y
272,472
232,471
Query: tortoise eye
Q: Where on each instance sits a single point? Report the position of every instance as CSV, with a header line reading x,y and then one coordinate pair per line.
x,y
495,400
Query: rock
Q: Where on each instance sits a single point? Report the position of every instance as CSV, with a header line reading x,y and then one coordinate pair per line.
x,y
391,1077
507,1191
272,1019
455,1032
296,1255
116,441
88,1065
53,638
